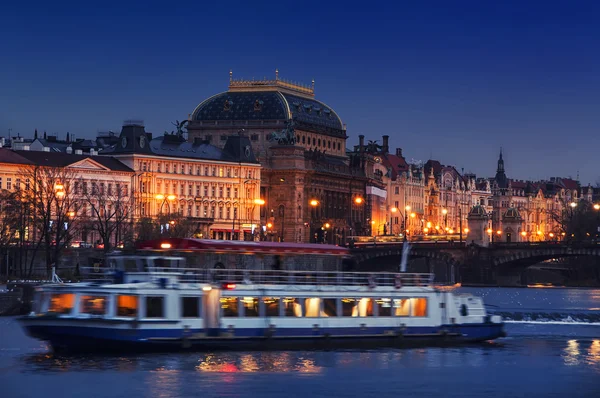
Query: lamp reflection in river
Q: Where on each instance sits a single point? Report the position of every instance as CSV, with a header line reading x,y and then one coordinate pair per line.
x,y
257,362
571,353
594,352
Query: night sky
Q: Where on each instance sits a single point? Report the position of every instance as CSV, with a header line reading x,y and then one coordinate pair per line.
x,y
450,80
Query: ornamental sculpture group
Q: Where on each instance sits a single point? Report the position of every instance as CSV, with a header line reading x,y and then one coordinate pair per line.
x,y
285,136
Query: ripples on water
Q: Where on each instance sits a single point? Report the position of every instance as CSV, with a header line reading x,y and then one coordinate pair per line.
x,y
542,357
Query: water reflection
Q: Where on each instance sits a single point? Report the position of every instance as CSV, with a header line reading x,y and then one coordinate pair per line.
x,y
571,353
594,352
272,362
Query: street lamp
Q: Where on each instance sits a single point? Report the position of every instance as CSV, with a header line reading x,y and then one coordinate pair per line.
x,y
165,199
393,210
445,213
257,202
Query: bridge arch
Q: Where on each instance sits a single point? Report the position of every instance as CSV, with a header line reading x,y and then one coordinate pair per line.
x,y
370,256
528,257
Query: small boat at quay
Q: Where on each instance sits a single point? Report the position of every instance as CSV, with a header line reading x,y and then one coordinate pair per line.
x,y
156,303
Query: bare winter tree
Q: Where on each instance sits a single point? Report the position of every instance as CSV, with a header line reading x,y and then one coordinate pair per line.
x,y
16,218
49,191
111,209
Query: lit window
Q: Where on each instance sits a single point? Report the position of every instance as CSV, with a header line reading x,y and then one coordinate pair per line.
x,y
61,303
93,305
127,305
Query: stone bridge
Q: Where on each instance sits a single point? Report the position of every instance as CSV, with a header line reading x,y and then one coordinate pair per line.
x,y
472,263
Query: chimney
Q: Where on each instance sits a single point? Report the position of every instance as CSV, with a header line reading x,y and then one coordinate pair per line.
x,y
399,152
46,149
78,152
361,143
69,149
385,147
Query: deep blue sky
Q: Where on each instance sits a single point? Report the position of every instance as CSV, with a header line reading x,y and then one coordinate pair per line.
x,y
452,80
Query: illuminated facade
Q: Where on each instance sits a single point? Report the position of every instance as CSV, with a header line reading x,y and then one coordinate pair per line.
x,y
218,189
308,183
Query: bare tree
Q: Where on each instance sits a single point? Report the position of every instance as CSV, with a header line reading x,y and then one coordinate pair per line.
x,y
49,192
111,210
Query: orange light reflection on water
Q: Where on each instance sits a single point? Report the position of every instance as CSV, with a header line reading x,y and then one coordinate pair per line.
x,y
571,353
257,362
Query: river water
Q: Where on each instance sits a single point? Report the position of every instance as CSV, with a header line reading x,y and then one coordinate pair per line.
x,y
552,350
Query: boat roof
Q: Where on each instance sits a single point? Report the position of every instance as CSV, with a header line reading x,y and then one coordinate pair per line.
x,y
263,247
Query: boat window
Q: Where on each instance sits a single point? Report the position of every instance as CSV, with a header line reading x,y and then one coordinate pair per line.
x,y
365,307
93,305
419,307
271,306
329,307
292,307
130,265
384,306
190,307
401,307
155,307
229,305
61,303
313,307
127,305
349,307
250,305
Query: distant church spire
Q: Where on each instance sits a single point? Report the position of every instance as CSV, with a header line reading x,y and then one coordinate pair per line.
x,y
500,163
35,135
500,178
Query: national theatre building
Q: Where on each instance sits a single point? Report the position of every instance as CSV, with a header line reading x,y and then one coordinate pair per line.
x,y
312,191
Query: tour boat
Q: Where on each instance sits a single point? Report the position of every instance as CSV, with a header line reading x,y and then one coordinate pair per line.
x,y
156,303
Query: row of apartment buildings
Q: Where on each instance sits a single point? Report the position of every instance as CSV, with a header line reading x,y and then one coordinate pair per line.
x,y
266,160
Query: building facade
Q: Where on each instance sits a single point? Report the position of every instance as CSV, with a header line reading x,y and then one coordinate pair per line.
x,y
216,189
312,191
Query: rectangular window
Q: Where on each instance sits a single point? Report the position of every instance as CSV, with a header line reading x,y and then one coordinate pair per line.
x,y
329,307
155,307
190,307
127,305
229,192
0,182
93,305
365,307
220,192
312,307
190,190
349,307
250,305
61,303
206,191
384,306
401,307
229,306
419,307
9,183
271,306
213,191
206,170
292,307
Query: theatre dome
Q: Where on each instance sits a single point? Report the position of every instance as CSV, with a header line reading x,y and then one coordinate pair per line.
x,y
270,100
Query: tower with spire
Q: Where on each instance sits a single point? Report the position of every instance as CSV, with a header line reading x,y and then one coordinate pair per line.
x,y
501,180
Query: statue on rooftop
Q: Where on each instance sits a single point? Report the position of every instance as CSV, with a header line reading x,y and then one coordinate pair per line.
x,y
284,137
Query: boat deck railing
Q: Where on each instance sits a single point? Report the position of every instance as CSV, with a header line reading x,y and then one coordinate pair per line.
x,y
270,277
273,277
